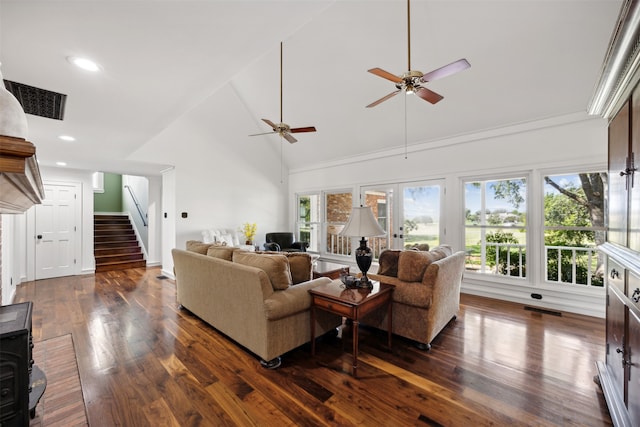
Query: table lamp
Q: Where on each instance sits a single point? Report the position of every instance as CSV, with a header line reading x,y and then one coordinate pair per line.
x,y
363,224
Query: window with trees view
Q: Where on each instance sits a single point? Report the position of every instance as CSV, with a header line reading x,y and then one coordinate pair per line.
x,y
328,211
308,222
496,226
574,224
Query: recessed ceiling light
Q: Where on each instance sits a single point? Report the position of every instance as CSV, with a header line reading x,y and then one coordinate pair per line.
x,y
84,63
61,164
67,138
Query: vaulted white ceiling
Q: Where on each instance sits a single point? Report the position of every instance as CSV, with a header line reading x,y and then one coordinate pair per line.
x,y
530,60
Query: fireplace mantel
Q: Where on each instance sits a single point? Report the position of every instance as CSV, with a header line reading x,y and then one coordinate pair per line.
x,y
20,180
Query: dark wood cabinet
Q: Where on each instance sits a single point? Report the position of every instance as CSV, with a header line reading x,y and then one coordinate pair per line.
x,y
619,374
17,370
618,197
633,380
617,99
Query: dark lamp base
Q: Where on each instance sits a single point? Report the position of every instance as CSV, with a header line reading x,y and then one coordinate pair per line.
x,y
365,283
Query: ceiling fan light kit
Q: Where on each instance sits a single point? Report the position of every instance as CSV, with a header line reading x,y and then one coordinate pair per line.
x,y
411,81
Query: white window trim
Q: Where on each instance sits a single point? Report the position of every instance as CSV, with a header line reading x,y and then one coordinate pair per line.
x,y
531,267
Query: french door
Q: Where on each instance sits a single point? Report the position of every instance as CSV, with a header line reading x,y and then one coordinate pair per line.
x,y
409,213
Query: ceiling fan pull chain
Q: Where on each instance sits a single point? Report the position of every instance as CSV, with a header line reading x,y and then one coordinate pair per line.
x,y
405,128
281,82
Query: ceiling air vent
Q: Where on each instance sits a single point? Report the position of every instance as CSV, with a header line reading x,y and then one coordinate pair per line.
x,y
36,101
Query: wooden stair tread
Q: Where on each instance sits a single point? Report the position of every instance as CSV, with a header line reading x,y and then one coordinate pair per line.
x,y
121,265
116,245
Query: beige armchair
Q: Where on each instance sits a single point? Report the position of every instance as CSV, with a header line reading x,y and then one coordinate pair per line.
x,y
427,291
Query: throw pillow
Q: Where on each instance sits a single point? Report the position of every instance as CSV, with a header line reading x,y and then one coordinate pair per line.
x,y
222,252
276,267
198,246
388,262
300,265
412,265
226,239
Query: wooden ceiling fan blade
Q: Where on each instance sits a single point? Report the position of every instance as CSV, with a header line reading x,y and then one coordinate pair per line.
x,y
270,123
447,70
385,75
304,129
384,98
288,137
428,95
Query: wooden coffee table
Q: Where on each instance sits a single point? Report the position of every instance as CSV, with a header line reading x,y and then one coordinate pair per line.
x,y
328,269
352,304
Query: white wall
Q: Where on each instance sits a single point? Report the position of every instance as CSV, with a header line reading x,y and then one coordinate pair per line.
x,y
12,262
139,185
223,178
168,222
569,141
154,221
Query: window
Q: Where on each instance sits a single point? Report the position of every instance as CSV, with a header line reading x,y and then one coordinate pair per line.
x,y
409,212
574,224
496,226
337,210
320,219
308,220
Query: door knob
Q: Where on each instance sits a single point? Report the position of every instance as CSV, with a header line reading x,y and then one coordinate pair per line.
x,y
39,236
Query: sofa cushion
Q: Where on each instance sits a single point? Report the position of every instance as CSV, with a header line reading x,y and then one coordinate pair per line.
x,y
300,264
276,267
412,264
388,262
198,246
222,252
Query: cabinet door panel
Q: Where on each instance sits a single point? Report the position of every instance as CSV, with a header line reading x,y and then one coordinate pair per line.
x,y
618,196
634,184
633,390
616,314
616,275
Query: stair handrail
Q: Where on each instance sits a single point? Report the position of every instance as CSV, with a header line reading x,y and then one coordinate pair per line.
x,y
135,201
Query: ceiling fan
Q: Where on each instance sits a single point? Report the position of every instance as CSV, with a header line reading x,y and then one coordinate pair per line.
x,y
411,81
283,129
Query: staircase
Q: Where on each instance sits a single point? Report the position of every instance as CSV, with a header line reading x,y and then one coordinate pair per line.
x,y
115,244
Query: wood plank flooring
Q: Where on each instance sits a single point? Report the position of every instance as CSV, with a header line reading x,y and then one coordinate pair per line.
x,y
145,362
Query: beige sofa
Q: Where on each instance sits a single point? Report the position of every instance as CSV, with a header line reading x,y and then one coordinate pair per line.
x,y
427,291
261,301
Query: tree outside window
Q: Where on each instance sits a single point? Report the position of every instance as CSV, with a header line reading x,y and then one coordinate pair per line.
x,y
575,223
495,226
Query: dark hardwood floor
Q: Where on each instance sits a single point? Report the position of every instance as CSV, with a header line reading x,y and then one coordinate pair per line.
x,y
145,362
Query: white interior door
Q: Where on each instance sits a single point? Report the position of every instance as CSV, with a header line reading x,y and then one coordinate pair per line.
x,y
55,228
409,213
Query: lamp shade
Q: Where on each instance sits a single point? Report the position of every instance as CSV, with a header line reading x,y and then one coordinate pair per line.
x,y
362,223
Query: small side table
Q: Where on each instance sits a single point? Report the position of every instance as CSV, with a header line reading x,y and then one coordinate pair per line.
x,y
352,304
